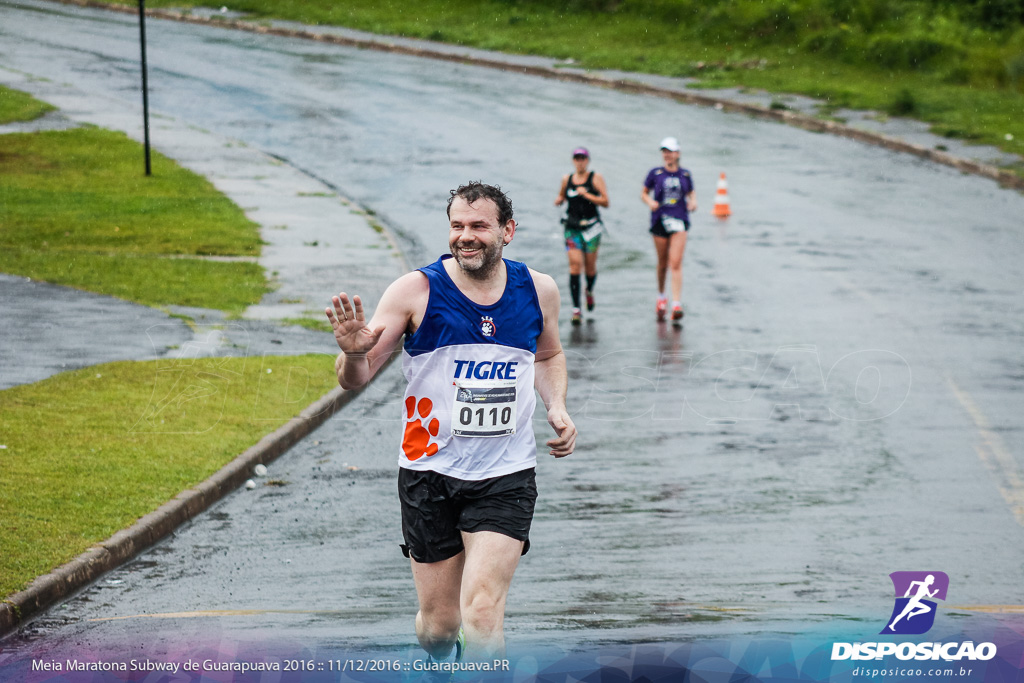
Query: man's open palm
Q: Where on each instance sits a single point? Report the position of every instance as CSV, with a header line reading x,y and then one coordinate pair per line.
x,y
348,321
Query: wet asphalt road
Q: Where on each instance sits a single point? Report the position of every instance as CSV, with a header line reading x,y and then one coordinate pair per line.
x,y
844,399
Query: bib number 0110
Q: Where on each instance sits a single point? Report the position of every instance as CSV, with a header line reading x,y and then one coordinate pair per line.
x,y
468,416
484,408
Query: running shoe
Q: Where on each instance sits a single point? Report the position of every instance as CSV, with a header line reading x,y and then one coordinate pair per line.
x,y
661,309
460,645
577,317
590,300
455,656
677,312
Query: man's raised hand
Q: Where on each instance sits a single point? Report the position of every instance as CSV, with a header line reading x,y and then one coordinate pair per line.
x,y
349,324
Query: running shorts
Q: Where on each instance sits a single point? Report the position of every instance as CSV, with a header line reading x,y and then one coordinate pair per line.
x,y
658,229
586,240
436,508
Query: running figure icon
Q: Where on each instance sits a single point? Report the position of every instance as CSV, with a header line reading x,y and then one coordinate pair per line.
x,y
915,606
914,593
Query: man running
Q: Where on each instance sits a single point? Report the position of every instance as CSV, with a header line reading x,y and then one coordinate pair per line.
x,y
584,191
481,333
668,193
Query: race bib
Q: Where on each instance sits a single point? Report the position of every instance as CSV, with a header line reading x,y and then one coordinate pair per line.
x,y
484,407
672,224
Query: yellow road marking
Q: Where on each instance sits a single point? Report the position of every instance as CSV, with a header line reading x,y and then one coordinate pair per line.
x,y
216,613
699,606
994,453
990,609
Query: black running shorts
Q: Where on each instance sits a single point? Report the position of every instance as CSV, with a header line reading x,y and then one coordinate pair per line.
x,y
436,508
658,229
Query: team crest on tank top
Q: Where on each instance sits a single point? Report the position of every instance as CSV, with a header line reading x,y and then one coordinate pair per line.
x,y
487,326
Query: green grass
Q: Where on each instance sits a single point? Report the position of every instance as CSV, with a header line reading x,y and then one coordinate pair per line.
x,y
311,322
76,209
959,65
149,280
88,452
18,106
975,114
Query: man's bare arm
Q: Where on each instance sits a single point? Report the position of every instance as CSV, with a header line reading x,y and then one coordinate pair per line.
x,y
550,376
366,346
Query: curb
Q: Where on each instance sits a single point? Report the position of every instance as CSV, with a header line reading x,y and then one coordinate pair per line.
x,y
810,123
63,581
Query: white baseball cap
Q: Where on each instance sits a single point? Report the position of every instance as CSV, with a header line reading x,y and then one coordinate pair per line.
x,y
671,144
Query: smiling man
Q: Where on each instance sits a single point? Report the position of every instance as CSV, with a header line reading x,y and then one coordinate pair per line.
x,y
481,333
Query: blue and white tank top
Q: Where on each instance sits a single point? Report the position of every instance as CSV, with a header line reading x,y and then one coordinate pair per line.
x,y
469,402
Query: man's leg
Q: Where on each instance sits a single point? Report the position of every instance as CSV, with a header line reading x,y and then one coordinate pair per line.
x,y
437,586
491,560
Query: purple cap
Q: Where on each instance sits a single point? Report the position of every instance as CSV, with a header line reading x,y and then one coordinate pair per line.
x,y
581,151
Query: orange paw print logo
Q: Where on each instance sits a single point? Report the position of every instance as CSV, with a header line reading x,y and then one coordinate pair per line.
x,y
416,441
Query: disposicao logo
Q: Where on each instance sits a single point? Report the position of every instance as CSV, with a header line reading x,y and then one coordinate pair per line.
x,y
914,611
913,614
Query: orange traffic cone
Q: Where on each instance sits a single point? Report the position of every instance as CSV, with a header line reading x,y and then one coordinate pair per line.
x,y
722,199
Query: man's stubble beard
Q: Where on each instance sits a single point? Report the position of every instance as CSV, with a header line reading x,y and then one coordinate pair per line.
x,y
488,261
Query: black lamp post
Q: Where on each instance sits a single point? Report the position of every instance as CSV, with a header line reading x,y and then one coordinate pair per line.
x,y
145,81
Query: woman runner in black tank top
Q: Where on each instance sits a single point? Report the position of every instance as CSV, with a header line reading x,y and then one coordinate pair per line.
x,y
581,212
585,192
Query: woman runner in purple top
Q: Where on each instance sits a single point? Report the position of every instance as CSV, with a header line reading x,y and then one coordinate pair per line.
x,y
668,192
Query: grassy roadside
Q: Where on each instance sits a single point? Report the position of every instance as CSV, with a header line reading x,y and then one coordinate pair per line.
x,y
311,321
959,66
88,452
17,106
76,210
